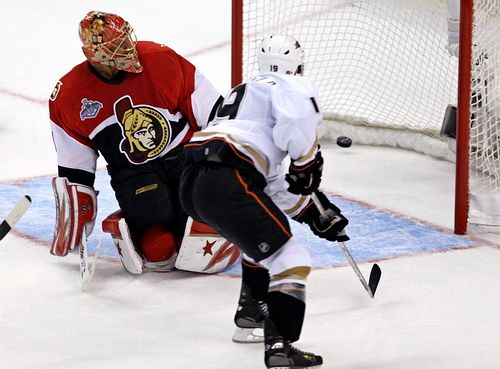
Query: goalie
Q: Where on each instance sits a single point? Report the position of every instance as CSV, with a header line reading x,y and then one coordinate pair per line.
x,y
136,103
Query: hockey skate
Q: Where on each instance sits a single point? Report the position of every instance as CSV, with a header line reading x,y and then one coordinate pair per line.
x,y
249,319
280,354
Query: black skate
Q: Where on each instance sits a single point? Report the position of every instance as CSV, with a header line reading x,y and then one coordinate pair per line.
x,y
282,355
249,322
249,318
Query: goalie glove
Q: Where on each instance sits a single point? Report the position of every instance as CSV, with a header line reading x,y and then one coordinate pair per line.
x,y
76,210
332,228
305,179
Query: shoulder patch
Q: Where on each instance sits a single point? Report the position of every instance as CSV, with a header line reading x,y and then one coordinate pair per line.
x,y
55,91
90,109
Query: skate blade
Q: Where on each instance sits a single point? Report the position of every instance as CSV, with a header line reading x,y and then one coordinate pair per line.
x,y
296,367
248,335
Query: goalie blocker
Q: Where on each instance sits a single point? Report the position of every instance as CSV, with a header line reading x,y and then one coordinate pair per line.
x,y
76,209
202,249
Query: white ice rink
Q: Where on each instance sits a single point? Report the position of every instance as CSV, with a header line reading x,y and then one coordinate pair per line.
x,y
432,311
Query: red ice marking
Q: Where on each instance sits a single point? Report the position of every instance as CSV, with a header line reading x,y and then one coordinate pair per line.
x,y
22,96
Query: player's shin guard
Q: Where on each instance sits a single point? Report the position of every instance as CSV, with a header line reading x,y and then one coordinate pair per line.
x,y
283,326
287,312
289,268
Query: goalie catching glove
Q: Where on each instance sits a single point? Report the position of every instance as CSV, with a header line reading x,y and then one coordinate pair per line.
x,y
304,179
331,228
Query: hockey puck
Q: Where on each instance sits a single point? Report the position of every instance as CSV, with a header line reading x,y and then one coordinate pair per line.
x,y
344,141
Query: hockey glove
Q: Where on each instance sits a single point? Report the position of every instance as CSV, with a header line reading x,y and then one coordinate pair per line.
x,y
76,211
305,179
333,227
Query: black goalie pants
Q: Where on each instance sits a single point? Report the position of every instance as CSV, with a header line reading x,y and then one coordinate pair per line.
x,y
231,202
148,194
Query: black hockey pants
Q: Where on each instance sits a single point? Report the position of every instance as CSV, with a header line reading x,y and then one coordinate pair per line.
x,y
148,194
232,201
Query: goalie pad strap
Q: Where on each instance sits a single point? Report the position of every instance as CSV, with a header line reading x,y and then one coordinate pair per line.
x,y
76,210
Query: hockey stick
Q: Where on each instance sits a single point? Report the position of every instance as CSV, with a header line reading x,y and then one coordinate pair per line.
x,y
375,273
15,214
86,271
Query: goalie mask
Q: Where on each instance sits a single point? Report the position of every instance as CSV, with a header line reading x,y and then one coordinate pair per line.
x,y
108,39
280,54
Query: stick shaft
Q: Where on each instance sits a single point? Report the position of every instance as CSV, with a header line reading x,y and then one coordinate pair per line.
x,y
14,215
343,247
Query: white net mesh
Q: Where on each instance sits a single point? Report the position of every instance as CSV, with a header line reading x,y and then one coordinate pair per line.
x,y
385,76
377,64
485,114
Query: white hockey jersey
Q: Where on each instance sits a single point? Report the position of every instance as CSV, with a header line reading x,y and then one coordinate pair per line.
x,y
268,118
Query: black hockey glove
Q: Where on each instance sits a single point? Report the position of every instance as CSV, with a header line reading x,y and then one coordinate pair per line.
x,y
304,180
332,228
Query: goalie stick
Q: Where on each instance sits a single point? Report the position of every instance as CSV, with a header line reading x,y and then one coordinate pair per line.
x,y
375,273
15,214
86,271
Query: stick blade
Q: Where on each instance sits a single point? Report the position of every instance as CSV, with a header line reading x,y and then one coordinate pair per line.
x,y
14,215
87,271
375,275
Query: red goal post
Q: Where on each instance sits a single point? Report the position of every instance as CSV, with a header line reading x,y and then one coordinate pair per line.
x,y
463,118
385,77
477,199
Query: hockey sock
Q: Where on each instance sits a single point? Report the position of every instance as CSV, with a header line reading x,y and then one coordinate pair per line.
x,y
287,313
255,279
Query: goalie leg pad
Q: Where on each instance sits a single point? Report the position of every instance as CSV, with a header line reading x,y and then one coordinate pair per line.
x,y
76,210
157,245
117,227
203,250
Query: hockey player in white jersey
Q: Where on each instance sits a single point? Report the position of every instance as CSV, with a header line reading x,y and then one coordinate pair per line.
x,y
234,181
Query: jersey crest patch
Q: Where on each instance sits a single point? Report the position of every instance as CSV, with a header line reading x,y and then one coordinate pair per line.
x,y
146,131
89,109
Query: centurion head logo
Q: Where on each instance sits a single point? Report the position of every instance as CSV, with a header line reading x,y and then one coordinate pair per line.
x,y
146,131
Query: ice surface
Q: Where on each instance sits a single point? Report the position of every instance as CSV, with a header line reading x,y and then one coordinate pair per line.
x,y
437,303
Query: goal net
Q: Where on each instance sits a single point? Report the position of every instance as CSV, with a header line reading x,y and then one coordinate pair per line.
x,y
382,69
481,91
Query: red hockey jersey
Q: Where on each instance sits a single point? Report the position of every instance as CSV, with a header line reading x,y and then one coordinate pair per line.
x,y
133,119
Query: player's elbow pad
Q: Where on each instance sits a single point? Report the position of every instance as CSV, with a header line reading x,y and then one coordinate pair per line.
x,y
76,210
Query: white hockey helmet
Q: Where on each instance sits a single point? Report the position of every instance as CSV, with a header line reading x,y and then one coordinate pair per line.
x,y
280,54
